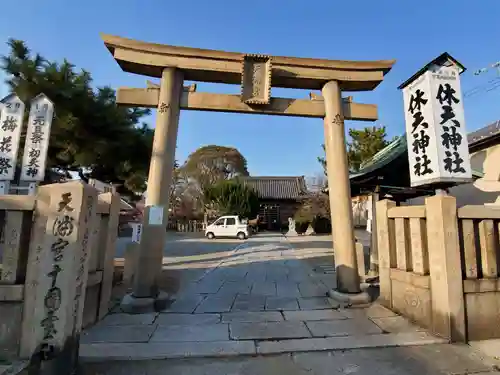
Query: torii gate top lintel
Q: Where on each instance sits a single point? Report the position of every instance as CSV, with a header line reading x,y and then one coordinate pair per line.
x,y
206,65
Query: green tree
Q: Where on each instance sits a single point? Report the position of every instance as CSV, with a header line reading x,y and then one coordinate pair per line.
x,y
231,197
90,134
363,145
211,164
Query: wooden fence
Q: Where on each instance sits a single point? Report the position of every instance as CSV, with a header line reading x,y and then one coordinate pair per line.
x,y
438,266
62,231
186,226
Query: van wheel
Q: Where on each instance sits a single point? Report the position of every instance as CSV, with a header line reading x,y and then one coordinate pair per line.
x,y
241,236
210,236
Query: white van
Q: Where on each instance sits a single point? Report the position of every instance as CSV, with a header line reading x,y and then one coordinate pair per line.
x,y
228,226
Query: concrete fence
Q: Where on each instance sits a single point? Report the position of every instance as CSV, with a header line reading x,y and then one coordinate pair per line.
x,y
56,258
438,266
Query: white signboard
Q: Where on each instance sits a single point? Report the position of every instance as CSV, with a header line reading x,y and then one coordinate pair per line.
x,y
438,150
136,232
155,215
37,139
11,123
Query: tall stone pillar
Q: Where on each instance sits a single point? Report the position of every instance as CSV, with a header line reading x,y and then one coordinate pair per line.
x,y
145,293
339,191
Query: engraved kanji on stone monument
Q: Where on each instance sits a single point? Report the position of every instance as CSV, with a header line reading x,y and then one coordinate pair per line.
x,y
57,265
37,139
11,123
435,127
256,79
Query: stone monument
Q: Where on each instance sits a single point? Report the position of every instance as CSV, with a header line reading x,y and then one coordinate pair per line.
x,y
310,230
291,228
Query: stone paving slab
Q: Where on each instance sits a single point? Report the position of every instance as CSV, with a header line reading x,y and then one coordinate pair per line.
x,y
372,311
164,350
264,288
187,319
312,315
185,304
287,289
348,342
343,327
249,317
234,287
245,302
201,333
396,324
215,304
268,330
317,303
121,319
282,303
122,334
310,289
209,285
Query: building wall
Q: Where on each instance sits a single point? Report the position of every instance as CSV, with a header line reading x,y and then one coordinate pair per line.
x,y
287,208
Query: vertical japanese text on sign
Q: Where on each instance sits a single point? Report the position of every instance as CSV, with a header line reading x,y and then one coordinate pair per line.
x,y
11,123
37,139
436,137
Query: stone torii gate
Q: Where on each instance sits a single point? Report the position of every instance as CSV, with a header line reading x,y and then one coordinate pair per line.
x,y
256,74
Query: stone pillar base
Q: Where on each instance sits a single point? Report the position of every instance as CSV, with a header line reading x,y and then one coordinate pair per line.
x,y
350,298
136,305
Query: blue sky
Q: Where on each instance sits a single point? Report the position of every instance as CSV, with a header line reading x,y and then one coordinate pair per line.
x,y
412,32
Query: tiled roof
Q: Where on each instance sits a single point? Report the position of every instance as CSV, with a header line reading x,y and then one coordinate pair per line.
x,y
277,187
484,133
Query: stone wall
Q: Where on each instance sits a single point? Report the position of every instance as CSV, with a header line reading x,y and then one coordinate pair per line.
x,y
57,267
438,266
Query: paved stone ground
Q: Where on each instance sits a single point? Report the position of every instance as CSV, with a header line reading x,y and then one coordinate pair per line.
x,y
417,360
267,295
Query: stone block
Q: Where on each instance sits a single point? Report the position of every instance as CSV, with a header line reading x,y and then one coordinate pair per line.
x,y
312,315
345,327
58,265
91,306
233,287
372,311
187,319
268,331
215,304
249,317
287,289
316,303
264,288
396,324
310,289
164,350
206,332
349,342
128,319
185,304
282,303
11,316
209,285
121,334
412,302
245,302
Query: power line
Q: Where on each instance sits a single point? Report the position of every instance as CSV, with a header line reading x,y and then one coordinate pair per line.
x,y
491,85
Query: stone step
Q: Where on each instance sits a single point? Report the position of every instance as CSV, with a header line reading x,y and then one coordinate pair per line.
x,y
101,352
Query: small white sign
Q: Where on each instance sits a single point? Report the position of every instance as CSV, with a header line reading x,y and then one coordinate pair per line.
x,y
435,127
136,232
155,215
11,124
37,139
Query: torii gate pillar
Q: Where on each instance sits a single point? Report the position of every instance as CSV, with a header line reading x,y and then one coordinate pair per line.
x,y
145,295
339,191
